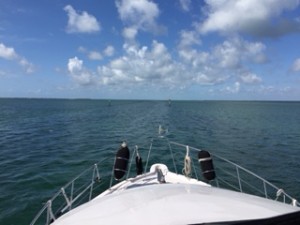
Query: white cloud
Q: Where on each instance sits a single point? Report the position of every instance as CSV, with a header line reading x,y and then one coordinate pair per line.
x,y
149,67
250,78
208,77
254,17
28,66
140,12
109,51
233,89
229,59
193,57
185,5
188,38
232,53
94,55
81,23
82,49
74,65
296,65
154,67
130,33
81,75
139,15
187,50
228,55
97,55
9,53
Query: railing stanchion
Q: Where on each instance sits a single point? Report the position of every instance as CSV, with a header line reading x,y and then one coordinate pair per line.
x,y
50,215
149,152
265,189
239,179
171,151
66,197
72,192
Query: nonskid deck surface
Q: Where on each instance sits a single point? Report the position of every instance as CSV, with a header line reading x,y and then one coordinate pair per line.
x,y
152,178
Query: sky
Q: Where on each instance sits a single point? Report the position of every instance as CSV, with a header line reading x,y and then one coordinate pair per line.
x,y
150,49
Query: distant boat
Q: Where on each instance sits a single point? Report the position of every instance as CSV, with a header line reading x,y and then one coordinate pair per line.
x,y
170,192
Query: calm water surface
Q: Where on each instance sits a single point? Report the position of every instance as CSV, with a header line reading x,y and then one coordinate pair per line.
x,y
45,143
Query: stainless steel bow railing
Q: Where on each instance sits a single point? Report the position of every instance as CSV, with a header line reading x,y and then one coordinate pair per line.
x,y
74,193
228,175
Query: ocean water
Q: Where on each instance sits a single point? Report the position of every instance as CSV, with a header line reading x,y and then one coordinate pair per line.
x,y
44,143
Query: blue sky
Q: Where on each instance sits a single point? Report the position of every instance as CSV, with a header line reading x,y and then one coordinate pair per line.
x,y
142,49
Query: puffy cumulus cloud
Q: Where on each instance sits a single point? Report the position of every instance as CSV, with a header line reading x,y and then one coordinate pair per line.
x,y
296,65
194,58
139,66
28,66
140,12
152,67
97,55
74,65
80,74
139,15
232,53
94,55
130,33
189,54
249,78
155,65
209,76
185,5
82,49
109,51
225,60
254,17
81,23
9,53
188,39
235,88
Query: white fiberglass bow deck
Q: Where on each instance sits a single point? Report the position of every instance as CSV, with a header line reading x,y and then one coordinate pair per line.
x,y
170,192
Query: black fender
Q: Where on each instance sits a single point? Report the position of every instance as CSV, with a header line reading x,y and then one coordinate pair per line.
x,y
121,162
206,164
